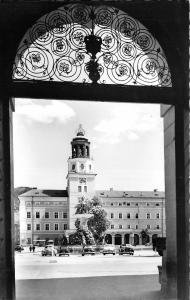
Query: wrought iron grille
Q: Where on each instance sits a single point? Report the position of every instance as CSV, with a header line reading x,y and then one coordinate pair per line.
x,y
80,43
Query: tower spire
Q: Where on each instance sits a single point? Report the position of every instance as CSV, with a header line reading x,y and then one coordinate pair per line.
x,y
80,131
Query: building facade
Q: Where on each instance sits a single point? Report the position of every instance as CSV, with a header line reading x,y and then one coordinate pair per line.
x,y
47,214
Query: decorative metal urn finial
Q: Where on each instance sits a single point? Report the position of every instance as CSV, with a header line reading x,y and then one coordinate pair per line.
x,y
80,131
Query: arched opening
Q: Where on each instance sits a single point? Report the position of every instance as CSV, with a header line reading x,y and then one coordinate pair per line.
x,y
108,239
136,239
126,238
179,196
118,240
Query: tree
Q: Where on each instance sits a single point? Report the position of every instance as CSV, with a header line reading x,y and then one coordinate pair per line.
x,y
145,236
98,223
84,206
62,240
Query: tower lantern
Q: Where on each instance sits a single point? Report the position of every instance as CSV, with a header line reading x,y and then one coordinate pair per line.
x,y
80,144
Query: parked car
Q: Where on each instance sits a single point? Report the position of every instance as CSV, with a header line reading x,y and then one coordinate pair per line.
x,y
63,251
49,250
109,249
126,249
19,248
88,250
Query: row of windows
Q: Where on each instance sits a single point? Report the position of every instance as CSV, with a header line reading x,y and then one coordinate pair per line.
x,y
46,227
35,203
148,215
47,215
82,189
148,226
129,204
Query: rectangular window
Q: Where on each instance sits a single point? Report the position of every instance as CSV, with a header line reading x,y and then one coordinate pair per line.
x,y
112,204
148,215
28,214
147,204
64,215
120,226
157,227
85,189
79,189
112,215
137,216
28,226
112,226
37,226
56,215
47,214
37,214
120,203
136,226
157,216
46,226
136,204
148,226
120,215
129,226
157,204
56,226
65,226
128,204
128,216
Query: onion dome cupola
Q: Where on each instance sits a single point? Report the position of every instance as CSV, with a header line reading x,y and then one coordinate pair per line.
x,y
80,144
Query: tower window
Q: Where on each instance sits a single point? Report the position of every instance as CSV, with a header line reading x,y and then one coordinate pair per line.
x,y
79,188
46,226
37,226
28,226
37,214
47,214
28,214
65,215
148,215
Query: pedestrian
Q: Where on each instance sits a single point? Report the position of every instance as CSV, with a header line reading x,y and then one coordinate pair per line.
x,y
30,248
33,248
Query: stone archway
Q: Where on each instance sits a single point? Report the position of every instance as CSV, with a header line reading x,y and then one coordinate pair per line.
x,y
108,239
127,238
118,239
136,239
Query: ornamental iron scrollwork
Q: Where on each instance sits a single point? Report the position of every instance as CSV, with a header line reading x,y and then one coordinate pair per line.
x,y
87,44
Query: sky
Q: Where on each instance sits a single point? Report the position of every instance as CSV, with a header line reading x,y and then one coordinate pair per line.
x,y
126,143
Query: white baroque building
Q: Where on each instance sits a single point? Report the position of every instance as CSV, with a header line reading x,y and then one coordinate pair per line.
x,y
46,214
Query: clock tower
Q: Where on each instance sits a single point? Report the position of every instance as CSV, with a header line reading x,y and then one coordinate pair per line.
x,y
81,174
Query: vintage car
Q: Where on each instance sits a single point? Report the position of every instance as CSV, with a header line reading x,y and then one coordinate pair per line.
x,y
109,249
19,248
63,251
49,250
126,249
88,250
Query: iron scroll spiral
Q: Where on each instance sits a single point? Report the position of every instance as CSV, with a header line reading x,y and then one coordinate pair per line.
x,y
55,49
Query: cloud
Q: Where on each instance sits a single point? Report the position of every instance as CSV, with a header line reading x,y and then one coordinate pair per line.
x,y
130,120
44,111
